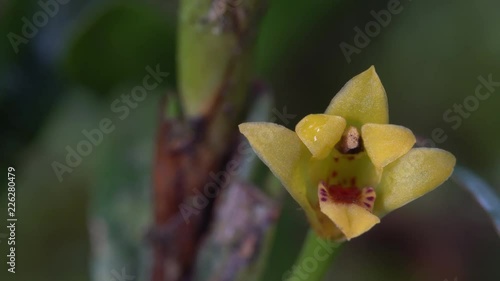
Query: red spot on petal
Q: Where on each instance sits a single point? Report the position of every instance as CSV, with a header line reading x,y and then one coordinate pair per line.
x,y
336,159
353,181
368,198
334,174
350,158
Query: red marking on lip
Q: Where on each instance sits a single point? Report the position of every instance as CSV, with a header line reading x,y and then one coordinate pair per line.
x,y
340,194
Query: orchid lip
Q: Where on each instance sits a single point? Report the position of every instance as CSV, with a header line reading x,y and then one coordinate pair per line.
x,y
338,194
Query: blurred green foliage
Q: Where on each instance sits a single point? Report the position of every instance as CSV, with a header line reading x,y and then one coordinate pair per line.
x,y
116,44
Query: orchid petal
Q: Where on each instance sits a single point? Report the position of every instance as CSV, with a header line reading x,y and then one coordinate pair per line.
x,y
320,133
416,173
361,100
285,154
386,143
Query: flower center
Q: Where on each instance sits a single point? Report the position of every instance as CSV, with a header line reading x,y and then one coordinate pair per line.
x,y
348,177
351,142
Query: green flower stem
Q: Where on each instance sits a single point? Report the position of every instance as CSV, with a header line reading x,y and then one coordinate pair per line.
x,y
316,257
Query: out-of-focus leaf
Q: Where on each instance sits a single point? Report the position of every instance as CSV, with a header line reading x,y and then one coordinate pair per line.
x,y
43,198
481,191
118,44
120,209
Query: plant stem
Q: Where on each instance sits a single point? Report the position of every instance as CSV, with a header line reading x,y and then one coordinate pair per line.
x,y
315,258
199,126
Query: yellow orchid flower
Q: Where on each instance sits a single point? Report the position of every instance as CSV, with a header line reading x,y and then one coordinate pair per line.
x,y
348,167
